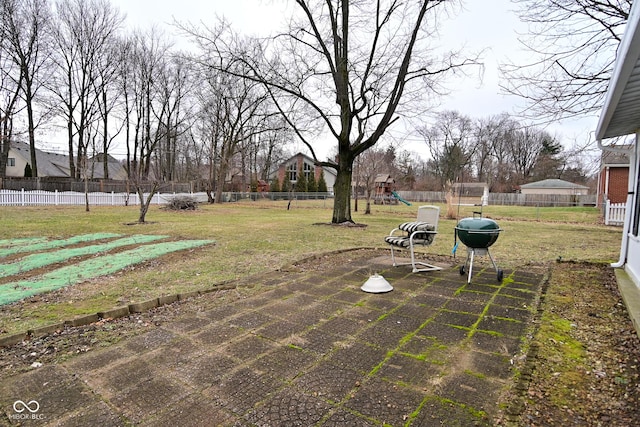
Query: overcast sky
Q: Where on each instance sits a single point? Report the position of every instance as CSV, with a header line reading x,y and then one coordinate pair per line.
x,y
483,24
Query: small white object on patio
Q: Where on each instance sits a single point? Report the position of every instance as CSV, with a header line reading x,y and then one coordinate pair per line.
x,y
376,284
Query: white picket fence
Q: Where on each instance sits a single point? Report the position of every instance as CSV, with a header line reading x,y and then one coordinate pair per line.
x,y
614,213
56,198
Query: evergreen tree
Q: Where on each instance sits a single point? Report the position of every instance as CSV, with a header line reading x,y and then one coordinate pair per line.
x,y
322,184
275,185
27,171
286,183
301,183
312,185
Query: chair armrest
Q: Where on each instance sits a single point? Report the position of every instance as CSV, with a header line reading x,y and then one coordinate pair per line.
x,y
394,231
413,226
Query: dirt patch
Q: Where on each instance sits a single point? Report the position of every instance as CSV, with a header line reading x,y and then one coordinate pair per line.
x,y
342,224
584,363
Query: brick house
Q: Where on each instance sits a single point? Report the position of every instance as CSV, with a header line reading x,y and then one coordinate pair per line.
x,y
613,177
293,165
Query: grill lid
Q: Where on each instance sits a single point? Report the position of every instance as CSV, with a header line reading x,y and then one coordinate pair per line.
x,y
477,232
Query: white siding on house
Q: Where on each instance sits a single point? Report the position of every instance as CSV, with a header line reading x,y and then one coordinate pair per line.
x,y
18,169
632,265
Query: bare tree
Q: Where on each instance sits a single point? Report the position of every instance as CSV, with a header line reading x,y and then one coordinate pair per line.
x,y
524,145
270,143
143,60
231,107
9,97
487,134
349,69
571,45
452,145
503,174
173,84
24,26
108,100
367,167
84,37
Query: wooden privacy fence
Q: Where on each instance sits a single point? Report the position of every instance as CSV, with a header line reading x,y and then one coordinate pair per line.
x,y
93,186
515,199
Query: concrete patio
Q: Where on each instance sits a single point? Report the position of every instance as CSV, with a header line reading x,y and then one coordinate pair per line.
x,y
310,348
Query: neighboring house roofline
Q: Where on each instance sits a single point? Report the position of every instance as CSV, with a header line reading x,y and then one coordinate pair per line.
x,y
56,165
552,183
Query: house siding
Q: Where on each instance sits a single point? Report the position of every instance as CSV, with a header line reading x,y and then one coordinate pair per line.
x,y
18,169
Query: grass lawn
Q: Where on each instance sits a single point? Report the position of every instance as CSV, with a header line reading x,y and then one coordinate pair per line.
x,y
252,237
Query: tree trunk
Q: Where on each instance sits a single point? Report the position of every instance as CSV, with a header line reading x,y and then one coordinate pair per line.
x,y
342,192
86,193
32,138
367,210
144,204
105,138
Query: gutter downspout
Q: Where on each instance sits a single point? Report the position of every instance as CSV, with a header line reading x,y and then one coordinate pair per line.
x,y
630,190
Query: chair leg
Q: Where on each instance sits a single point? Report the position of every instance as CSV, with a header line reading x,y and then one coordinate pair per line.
x,y
414,264
393,258
426,266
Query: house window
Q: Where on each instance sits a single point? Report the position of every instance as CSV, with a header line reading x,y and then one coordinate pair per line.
x,y
293,172
308,171
11,161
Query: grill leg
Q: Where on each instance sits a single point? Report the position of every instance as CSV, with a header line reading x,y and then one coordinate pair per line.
x,y
495,266
471,253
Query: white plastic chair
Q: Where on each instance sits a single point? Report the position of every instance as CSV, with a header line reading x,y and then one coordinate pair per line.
x,y
414,234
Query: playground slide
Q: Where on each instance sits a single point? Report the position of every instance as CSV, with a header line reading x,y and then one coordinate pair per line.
x,y
397,196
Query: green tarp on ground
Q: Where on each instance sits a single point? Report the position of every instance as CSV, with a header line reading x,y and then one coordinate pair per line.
x,y
31,262
52,244
100,266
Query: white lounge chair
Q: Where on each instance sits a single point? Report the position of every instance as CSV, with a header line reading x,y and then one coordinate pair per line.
x,y
416,234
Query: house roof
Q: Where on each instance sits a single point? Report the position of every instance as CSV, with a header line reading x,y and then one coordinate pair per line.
x,y
384,177
552,183
57,165
470,184
49,164
620,114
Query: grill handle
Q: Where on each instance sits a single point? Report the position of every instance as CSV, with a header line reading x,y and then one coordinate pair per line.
x,y
495,230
